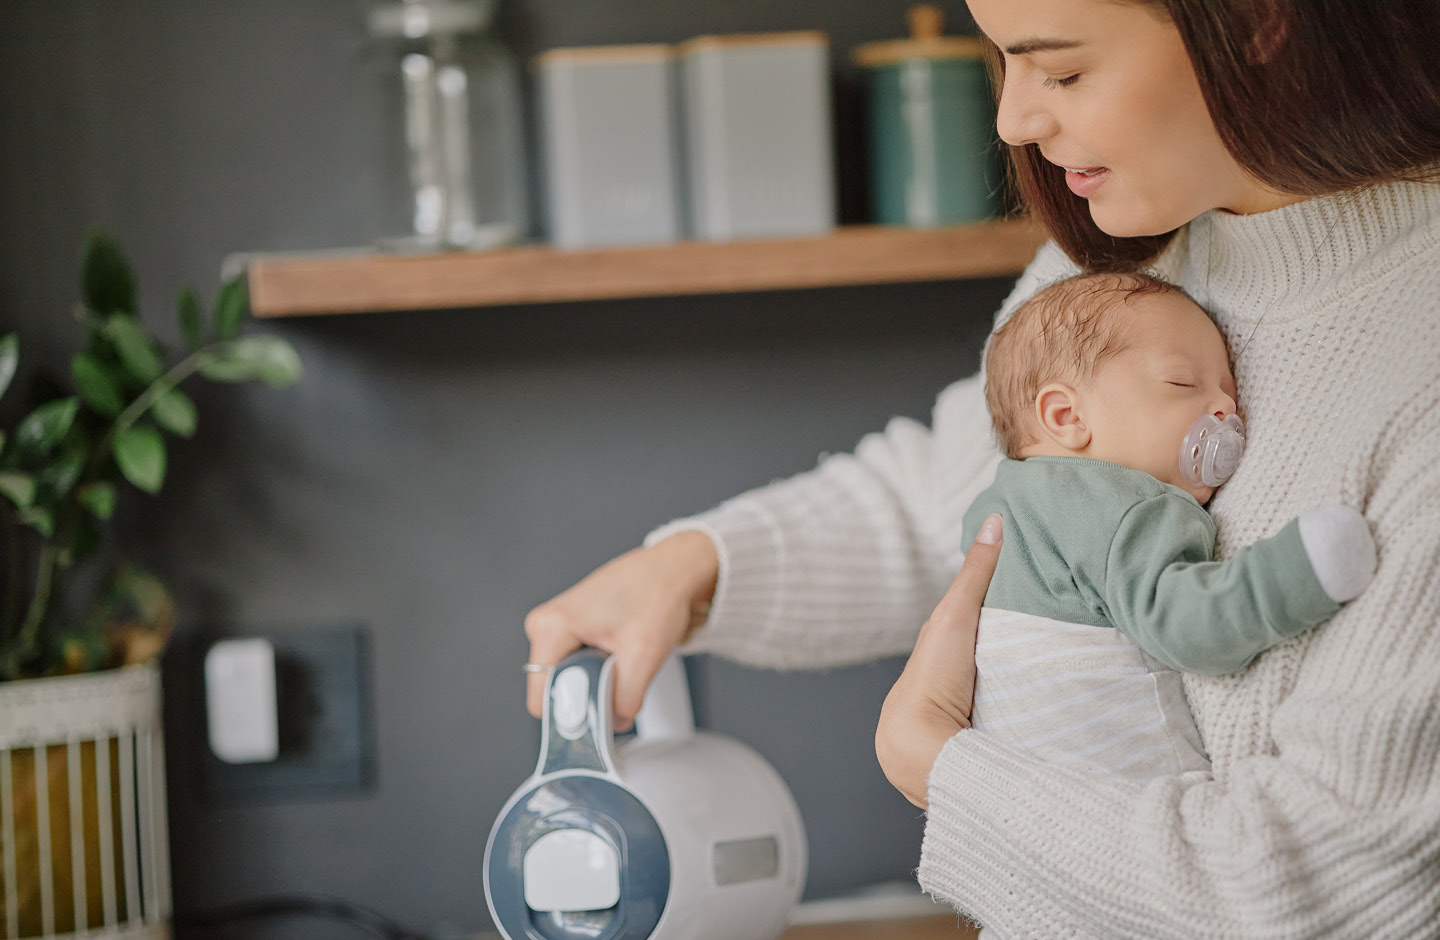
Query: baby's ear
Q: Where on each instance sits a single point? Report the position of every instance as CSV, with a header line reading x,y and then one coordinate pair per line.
x,y
1057,408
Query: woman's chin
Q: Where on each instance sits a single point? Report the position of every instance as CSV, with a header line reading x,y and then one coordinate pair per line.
x,y
1130,221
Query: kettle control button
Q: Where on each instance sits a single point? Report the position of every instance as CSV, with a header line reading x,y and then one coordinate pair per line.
x,y
570,701
571,870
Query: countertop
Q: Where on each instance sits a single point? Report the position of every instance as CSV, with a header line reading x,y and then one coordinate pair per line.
x,y
944,927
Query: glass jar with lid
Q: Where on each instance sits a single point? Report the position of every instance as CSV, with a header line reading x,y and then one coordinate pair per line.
x,y
453,166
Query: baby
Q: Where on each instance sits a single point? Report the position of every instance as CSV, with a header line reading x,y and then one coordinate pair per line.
x,y
1113,401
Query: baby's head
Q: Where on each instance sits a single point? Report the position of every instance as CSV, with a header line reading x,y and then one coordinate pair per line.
x,y
1115,367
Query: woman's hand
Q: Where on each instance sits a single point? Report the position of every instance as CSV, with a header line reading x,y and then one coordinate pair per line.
x,y
637,607
931,700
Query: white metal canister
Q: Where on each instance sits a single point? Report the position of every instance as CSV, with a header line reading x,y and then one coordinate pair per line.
x,y
610,145
758,138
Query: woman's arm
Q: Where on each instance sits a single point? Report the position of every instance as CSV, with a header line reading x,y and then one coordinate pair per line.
x,y
840,565
835,566
1335,831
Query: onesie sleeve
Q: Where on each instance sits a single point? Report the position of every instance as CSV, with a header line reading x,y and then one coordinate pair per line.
x,y
1202,616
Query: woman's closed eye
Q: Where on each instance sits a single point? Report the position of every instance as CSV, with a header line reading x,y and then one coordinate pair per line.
x,y
1065,82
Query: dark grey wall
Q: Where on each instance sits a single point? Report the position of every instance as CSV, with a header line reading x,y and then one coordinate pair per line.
x,y
439,473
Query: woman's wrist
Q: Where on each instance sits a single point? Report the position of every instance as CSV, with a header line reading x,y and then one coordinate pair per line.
x,y
691,559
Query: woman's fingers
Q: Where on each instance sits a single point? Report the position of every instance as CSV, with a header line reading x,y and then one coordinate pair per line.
x,y
550,642
944,654
636,607
635,666
961,604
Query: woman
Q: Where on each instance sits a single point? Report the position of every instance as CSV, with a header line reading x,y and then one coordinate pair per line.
x,y
1277,159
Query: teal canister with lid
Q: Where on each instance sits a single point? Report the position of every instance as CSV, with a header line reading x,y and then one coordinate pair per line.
x,y
934,154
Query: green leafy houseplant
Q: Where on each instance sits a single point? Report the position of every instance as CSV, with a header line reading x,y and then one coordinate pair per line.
x,y
69,456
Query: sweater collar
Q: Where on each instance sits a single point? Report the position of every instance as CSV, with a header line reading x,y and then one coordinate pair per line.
x,y
1245,265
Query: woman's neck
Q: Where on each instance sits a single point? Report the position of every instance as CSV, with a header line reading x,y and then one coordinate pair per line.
x,y
1258,197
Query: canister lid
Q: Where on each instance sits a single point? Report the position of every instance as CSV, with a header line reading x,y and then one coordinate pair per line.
x,y
414,19
605,55
927,25
745,40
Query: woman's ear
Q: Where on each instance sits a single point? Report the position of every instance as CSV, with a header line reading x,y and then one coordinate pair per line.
x,y
1058,410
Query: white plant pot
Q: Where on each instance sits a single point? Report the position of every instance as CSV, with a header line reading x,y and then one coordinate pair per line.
x,y
83,837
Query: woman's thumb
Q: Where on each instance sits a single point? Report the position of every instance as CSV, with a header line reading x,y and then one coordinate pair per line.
x,y
943,662
961,604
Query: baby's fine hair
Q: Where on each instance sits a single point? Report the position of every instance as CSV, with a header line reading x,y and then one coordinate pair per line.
x,y
1061,334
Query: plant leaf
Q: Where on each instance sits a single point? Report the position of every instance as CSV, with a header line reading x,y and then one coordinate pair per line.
x,y
220,365
9,359
232,306
175,412
140,454
269,359
42,429
38,518
97,498
57,479
105,276
19,487
97,387
192,321
134,347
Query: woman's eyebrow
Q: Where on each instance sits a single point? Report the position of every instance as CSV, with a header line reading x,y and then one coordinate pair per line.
x,y
1027,46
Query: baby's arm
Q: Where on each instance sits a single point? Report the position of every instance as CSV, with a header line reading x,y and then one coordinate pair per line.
x,y
1209,617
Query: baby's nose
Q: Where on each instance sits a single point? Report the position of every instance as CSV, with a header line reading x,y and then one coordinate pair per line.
x,y
1225,407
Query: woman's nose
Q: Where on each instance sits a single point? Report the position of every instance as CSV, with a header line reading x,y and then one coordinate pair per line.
x,y
1018,119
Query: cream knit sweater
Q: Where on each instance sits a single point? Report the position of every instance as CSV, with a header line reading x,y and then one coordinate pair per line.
x,y
1323,816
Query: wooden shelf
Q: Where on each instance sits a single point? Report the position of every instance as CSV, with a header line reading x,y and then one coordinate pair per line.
x,y
358,282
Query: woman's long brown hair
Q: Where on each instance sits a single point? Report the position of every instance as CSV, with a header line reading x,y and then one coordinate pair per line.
x,y
1310,96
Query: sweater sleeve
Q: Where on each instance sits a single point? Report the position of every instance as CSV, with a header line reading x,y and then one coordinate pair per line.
x,y
1202,616
843,563
1332,830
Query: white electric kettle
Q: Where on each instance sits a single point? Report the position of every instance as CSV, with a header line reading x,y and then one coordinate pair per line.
x,y
674,834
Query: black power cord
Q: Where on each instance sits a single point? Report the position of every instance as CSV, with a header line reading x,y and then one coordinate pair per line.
x,y
362,918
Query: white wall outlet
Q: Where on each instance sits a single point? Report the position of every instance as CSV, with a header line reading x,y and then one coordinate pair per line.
x,y
240,700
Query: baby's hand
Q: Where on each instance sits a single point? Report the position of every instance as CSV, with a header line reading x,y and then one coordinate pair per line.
x,y
1341,550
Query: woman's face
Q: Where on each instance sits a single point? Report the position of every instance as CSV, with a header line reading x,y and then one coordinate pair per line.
x,y
1105,89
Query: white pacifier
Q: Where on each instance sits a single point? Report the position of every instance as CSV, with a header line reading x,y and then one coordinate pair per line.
x,y
1212,449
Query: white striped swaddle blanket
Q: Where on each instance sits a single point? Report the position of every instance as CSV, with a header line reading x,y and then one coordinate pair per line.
x,y
1082,695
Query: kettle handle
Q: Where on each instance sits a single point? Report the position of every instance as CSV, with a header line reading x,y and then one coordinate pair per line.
x,y
667,713
578,733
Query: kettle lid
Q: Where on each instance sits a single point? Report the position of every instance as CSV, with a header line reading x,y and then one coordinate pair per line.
x,y
577,856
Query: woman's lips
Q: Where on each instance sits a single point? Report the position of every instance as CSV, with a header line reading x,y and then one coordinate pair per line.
x,y
1084,183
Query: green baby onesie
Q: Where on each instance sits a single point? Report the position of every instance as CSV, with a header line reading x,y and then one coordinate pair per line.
x,y
1096,543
